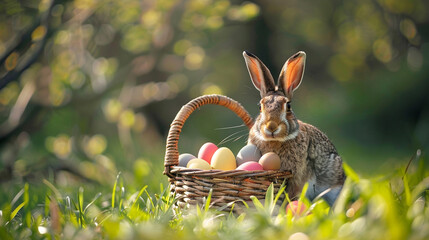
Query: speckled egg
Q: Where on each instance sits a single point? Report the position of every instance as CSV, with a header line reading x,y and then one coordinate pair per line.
x,y
184,158
270,161
223,159
249,153
250,166
199,164
206,151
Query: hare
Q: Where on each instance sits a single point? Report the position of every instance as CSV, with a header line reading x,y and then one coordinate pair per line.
x,y
302,148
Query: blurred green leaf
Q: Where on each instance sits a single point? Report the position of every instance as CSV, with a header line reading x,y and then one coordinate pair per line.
x,y
350,173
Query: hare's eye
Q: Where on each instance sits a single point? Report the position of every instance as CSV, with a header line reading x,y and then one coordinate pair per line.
x,y
259,105
288,106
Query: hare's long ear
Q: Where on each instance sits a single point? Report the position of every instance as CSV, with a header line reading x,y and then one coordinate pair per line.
x,y
259,73
291,75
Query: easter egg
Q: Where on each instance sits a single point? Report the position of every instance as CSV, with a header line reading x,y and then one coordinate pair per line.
x,y
223,159
297,208
250,166
206,151
199,164
184,158
270,161
249,153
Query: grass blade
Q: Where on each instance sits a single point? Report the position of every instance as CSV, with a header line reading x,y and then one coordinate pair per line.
x,y
407,191
92,202
47,203
257,203
150,199
80,206
208,200
269,197
17,197
121,201
420,188
23,204
278,195
280,192
114,190
416,156
138,196
14,212
56,192
303,192
232,205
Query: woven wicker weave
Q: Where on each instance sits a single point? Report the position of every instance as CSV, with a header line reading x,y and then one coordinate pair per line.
x,y
191,186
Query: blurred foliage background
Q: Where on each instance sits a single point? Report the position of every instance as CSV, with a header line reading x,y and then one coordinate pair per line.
x,y
89,87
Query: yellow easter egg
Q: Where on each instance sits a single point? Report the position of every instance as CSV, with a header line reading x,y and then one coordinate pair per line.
x,y
198,164
223,159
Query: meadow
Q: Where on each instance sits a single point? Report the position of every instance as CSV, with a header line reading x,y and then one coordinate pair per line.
x,y
392,206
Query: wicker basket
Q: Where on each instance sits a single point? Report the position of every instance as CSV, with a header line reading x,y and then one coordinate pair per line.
x,y
191,186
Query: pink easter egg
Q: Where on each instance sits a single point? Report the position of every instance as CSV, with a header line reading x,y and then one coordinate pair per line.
x,y
206,151
250,166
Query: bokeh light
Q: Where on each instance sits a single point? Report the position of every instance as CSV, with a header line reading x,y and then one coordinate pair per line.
x,y
111,75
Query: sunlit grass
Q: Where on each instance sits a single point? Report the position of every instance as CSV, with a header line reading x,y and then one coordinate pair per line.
x,y
385,207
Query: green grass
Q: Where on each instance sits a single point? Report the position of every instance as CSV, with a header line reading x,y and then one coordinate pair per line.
x,y
386,207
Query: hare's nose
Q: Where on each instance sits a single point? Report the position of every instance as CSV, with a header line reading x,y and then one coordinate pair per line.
x,y
272,126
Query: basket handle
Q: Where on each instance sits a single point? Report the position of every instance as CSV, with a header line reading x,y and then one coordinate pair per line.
x,y
172,151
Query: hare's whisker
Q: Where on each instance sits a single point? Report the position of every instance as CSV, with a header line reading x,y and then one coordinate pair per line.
x,y
229,137
232,127
238,138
